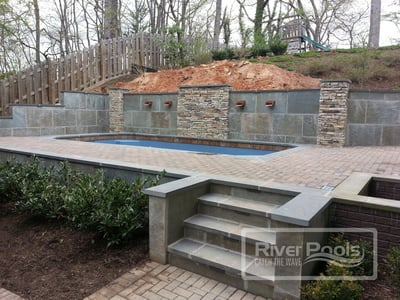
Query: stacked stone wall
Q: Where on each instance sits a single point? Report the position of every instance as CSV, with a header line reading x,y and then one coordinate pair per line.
x,y
203,111
332,118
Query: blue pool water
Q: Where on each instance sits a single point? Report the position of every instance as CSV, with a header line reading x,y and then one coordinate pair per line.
x,y
187,147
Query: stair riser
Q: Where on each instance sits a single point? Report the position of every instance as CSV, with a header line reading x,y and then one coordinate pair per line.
x,y
229,214
221,241
262,288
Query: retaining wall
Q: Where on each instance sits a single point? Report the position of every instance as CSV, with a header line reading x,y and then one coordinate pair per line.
x,y
373,118
78,113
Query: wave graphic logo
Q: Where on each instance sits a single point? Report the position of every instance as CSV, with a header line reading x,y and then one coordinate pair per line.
x,y
347,256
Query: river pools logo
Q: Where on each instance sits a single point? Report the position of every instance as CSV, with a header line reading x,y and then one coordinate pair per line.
x,y
298,253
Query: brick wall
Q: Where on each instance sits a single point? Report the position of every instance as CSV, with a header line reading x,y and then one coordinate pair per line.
x,y
384,189
203,111
387,223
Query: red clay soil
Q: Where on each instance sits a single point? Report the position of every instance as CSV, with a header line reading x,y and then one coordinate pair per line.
x,y
240,74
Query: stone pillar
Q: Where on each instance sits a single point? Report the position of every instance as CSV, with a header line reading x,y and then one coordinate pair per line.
x,y
116,115
332,117
203,111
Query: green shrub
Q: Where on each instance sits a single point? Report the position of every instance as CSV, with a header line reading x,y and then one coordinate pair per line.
x,y
325,288
332,289
278,47
223,54
393,263
203,58
10,178
112,208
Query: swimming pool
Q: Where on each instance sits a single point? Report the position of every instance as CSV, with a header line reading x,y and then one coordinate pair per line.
x,y
198,145
208,149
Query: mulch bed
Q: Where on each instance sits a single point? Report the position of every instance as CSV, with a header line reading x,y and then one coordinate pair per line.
x,y
41,259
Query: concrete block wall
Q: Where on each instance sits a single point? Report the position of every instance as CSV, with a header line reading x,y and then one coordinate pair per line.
x,y
373,118
157,118
293,118
79,113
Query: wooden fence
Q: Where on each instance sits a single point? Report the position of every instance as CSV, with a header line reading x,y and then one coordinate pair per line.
x,y
42,83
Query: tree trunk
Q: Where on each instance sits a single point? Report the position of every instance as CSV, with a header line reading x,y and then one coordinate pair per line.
x,y
111,19
217,24
37,30
258,20
375,24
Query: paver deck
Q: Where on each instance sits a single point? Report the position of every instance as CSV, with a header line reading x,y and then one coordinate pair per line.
x,y
311,166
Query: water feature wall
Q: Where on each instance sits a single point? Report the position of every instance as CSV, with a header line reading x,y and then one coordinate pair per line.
x,y
335,115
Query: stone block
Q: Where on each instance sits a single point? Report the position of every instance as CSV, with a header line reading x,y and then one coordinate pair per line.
x,y
310,125
280,99
383,112
303,102
235,123
76,130
256,123
26,132
87,118
52,131
65,117
366,95
364,135
357,110
39,117
287,124
19,116
132,102
158,229
5,131
249,98
74,100
390,136
160,120
141,119
102,118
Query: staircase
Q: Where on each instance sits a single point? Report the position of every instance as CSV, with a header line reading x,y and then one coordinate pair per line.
x,y
248,236
224,227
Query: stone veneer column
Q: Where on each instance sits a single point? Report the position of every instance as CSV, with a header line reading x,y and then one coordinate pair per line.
x,y
116,115
203,111
332,118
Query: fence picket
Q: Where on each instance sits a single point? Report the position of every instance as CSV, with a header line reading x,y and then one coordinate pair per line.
x,y
41,84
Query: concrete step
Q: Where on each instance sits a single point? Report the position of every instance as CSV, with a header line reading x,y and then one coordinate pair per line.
x,y
252,212
226,233
225,265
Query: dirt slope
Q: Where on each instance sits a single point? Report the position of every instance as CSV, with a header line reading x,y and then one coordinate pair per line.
x,y
241,75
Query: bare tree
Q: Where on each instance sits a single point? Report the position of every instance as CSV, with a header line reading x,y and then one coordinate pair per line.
x,y
350,25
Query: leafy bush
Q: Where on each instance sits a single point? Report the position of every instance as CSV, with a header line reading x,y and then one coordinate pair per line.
x,y
393,263
203,58
10,178
259,48
112,208
324,288
278,47
333,289
223,54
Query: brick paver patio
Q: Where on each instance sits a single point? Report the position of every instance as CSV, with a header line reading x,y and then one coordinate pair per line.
x,y
311,166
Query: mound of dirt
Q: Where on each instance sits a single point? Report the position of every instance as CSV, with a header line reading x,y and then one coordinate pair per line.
x,y
240,74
